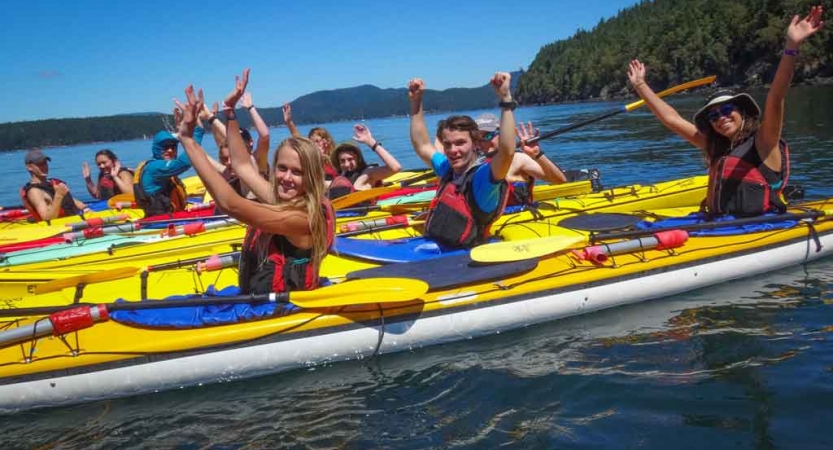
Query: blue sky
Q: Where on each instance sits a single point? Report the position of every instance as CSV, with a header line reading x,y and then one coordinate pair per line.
x,y
94,58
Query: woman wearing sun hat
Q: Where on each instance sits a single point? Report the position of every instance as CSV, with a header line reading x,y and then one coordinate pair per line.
x,y
748,161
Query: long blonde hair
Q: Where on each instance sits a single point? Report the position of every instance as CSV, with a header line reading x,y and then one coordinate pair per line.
x,y
313,179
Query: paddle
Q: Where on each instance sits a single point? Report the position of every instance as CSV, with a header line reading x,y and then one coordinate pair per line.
x,y
523,249
370,194
393,226
120,201
88,278
34,233
624,108
359,292
814,214
536,247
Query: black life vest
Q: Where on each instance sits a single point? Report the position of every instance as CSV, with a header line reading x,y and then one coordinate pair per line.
x,y
520,192
740,183
454,219
171,198
284,267
68,207
107,186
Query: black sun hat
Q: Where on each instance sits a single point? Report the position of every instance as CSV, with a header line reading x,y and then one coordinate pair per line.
x,y
745,102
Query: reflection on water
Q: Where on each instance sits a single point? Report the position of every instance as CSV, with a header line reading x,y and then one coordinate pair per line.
x,y
747,364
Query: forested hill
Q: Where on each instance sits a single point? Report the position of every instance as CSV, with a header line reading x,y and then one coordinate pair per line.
x,y
740,41
362,102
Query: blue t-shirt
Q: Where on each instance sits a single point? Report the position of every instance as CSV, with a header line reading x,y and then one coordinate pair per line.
x,y
486,188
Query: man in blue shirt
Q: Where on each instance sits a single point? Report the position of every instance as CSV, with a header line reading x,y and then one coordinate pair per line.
x,y
470,196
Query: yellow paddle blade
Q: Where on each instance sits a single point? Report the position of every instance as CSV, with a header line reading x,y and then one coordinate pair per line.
x,y
88,278
356,292
113,202
362,196
30,233
523,249
674,90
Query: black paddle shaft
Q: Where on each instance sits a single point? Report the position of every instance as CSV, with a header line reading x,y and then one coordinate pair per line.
x,y
571,127
708,225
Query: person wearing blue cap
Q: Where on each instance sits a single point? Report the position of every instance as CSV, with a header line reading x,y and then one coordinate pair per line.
x,y
156,184
46,198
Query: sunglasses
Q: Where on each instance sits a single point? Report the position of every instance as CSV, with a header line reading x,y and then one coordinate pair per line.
x,y
489,135
724,110
169,144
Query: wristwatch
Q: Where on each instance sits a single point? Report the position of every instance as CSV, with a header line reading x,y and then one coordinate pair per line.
x,y
511,105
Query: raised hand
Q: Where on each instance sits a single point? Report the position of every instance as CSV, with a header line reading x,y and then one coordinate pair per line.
x,y
287,113
215,108
636,72
500,83
362,134
240,84
526,133
801,29
177,117
416,87
116,168
190,111
85,170
247,100
205,113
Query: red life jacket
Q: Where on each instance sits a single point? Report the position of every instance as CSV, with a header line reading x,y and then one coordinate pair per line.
x,y
107,186
344,184
330,172
68,207
454,219
740,183
284,267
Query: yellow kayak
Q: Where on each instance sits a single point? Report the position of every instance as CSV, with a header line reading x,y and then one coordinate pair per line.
x,y
122,349
18,283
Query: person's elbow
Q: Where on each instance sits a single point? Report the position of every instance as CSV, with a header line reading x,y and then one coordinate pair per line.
x,y
395,167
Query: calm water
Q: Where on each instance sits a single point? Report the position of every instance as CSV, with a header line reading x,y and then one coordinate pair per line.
x,y
747,364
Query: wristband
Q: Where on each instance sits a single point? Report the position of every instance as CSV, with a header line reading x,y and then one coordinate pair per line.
x,y
211,119
376,144
510,105
638,84
791,51
539,155
249,108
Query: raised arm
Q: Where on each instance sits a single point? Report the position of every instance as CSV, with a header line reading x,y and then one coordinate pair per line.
x,y
92,187
533,161
287,119
240,158
261,153
666,114
769,133
389,165
218,128
123,179
502,160
292,223
419,131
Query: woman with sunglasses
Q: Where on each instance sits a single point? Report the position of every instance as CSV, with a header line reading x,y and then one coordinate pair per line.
x,y
748,162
